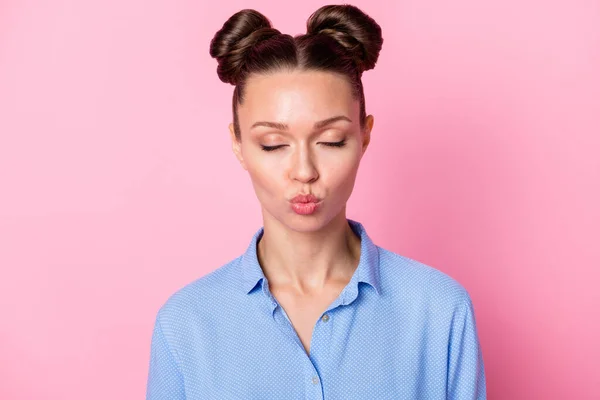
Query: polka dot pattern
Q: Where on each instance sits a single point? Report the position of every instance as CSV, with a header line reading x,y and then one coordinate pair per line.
x,y
399,330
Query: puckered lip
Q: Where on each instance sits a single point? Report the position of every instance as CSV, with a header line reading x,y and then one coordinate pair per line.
x,y
305,198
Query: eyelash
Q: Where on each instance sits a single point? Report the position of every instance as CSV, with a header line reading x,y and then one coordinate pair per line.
x,y
341,143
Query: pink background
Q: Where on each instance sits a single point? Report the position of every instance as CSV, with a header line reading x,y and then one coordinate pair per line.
x,y
118,185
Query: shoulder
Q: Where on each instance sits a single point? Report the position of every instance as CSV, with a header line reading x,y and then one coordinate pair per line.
x,y
202,294
408,278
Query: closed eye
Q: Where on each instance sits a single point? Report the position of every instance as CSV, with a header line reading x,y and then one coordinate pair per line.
x,y
341,143
271,148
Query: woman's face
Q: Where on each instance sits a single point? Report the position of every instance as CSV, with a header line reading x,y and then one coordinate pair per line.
x,y
301,135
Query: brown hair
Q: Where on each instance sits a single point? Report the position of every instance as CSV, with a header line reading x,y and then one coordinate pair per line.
x,y
338,38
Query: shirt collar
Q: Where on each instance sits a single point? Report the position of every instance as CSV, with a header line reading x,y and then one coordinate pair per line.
x,y
367,270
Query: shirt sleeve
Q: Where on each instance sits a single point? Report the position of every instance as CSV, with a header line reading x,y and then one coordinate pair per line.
x,y
165,380
466,376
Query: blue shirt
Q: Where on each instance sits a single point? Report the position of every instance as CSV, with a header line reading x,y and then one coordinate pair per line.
x,y
398,330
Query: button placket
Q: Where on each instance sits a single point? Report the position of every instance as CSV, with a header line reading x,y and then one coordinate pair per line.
x,y
321,346
314,390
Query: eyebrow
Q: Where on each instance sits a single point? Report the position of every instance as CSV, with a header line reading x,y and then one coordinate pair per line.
x,y
285,127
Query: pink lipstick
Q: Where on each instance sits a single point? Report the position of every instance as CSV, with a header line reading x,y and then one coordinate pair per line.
x,y
305,204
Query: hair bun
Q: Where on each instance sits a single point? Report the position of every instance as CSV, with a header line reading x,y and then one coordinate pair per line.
x,y
234,41
358,33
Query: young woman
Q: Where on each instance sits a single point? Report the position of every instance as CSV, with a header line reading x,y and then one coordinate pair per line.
x,y
313,309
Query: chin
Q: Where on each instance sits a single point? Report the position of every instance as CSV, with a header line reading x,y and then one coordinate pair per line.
x,y
305,223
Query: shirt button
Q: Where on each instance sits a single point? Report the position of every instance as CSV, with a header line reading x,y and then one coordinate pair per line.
x,y
325,318
315,379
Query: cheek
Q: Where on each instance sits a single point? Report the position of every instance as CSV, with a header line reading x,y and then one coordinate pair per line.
x,y
264,173
340,169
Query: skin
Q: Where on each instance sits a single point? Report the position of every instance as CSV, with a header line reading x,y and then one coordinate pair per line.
x,y
307,259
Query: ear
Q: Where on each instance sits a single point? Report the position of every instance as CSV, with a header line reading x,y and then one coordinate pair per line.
x,y
366,135
236,146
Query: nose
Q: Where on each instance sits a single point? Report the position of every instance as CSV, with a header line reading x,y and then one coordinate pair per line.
x,y
303,167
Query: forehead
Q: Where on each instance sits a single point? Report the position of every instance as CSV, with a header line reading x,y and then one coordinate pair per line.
x,y
297,98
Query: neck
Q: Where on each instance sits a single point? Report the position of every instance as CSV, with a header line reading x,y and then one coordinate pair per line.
x,y
307,261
